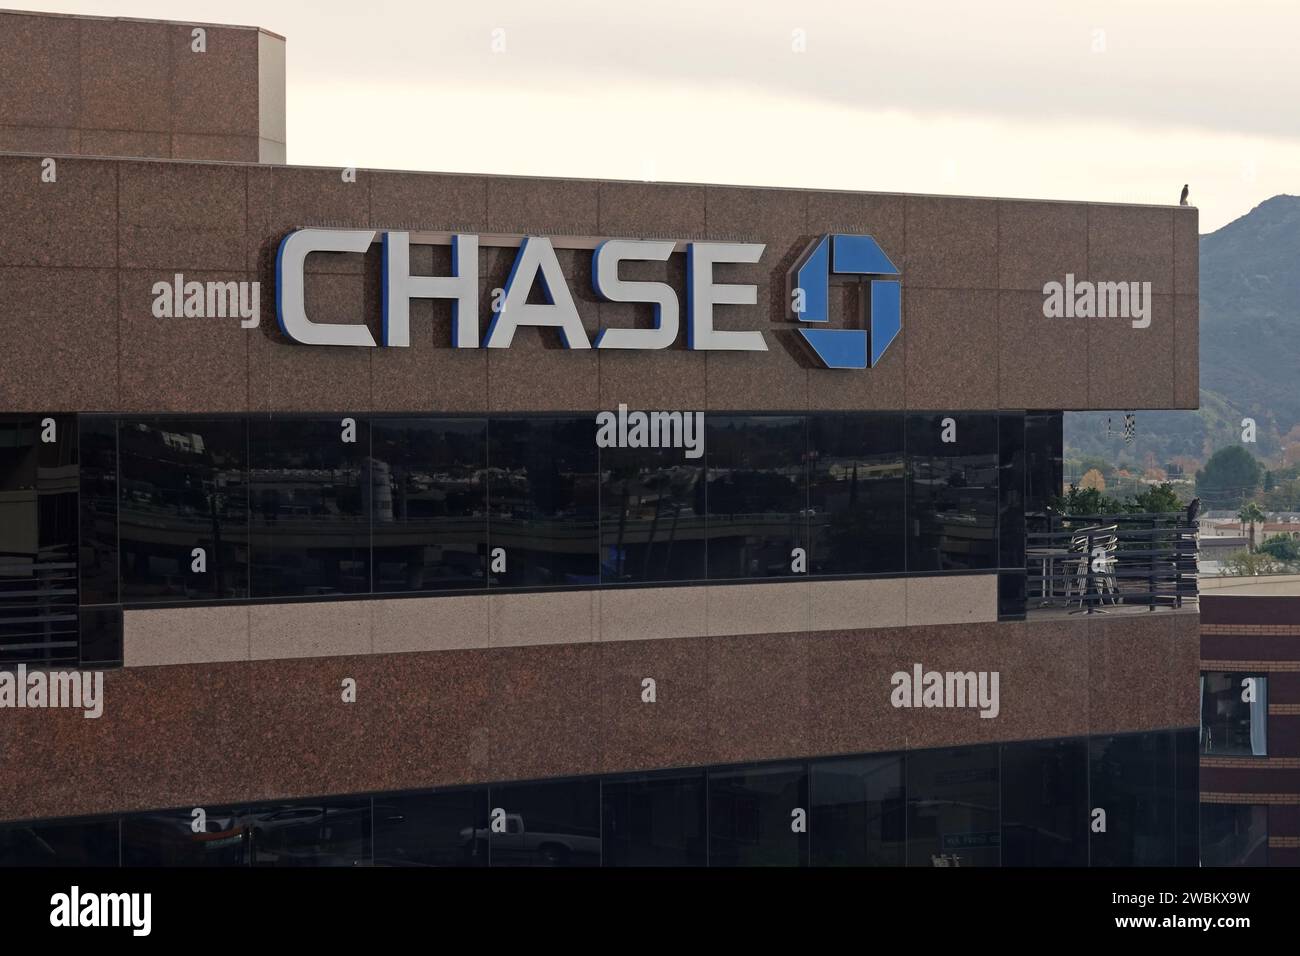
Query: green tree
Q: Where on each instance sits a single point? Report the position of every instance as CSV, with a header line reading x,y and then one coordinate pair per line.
x,y
1244,564
1230,476
1269,482
1281,547
1085,501
1157,499
1249,514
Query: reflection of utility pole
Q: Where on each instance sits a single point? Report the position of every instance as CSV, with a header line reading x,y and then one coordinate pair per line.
x,y
216,544
211,467
622,528
672,536
654,524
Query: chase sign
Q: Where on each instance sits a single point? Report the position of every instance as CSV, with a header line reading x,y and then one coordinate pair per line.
x,y
536,264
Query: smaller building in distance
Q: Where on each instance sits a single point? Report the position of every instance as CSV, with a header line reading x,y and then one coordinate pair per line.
x,y
1250,721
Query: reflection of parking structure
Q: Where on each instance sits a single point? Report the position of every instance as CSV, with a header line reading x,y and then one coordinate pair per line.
x,y
521,846
309,835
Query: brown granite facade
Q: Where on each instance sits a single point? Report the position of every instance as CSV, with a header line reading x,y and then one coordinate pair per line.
x,y
251,730
100,86
82,255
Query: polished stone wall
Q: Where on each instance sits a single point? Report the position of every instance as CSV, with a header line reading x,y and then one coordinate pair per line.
x,y
99,86
79,258
242,730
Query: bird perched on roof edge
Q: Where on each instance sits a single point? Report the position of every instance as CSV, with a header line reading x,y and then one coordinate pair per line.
x,y
1182,200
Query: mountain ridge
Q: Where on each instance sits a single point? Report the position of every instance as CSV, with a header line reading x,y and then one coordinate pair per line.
x,y
1249,345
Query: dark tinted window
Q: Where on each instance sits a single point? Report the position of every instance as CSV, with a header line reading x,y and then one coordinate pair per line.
x,y
168,838
443,828
101,636
309,497
97,457
1045,803
542,489
1187,786
1044,469
651,515
183,486
1011,490
332,832
952,492
556,823
59,843
857,814
857,519
757,495
952,807
1231,724
38,539
430,513
654,820
1012,587
751,816
1234,834
1132,779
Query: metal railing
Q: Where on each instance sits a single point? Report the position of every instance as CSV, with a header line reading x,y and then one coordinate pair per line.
x,y
1093,563
38,606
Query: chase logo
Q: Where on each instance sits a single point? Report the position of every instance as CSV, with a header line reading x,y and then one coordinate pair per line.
x,y
842,258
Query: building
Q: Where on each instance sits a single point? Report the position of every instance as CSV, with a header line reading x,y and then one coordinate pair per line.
x,y
359,600
1250,722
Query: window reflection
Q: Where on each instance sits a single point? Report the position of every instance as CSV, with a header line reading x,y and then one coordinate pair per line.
x,y
857,811
757,496
168,838
1132,777
651,525
555,823
430,505
542,486
183,485
310,497
1044,803
952,493
97,554
952,807
38,540
1234,834
856,483
443,828
334,832
750,815
654,820
1234,714
59,843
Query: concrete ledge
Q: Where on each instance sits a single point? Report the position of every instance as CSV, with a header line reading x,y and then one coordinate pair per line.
x,y
196,635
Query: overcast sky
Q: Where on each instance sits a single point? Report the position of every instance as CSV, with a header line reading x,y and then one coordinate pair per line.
x,y
1113,100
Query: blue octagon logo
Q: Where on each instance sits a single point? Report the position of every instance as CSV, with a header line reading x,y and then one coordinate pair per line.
x,y
842,258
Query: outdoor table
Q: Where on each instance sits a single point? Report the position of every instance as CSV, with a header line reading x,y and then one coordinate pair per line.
x,y
1047,558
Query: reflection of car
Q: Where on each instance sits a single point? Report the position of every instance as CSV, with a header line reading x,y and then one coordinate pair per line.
x,y
150,838
308,835
519,844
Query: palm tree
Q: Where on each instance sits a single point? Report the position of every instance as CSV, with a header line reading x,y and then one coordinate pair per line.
x,y
1248,515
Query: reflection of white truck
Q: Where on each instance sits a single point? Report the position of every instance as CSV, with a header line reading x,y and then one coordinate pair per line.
x,y
521,845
